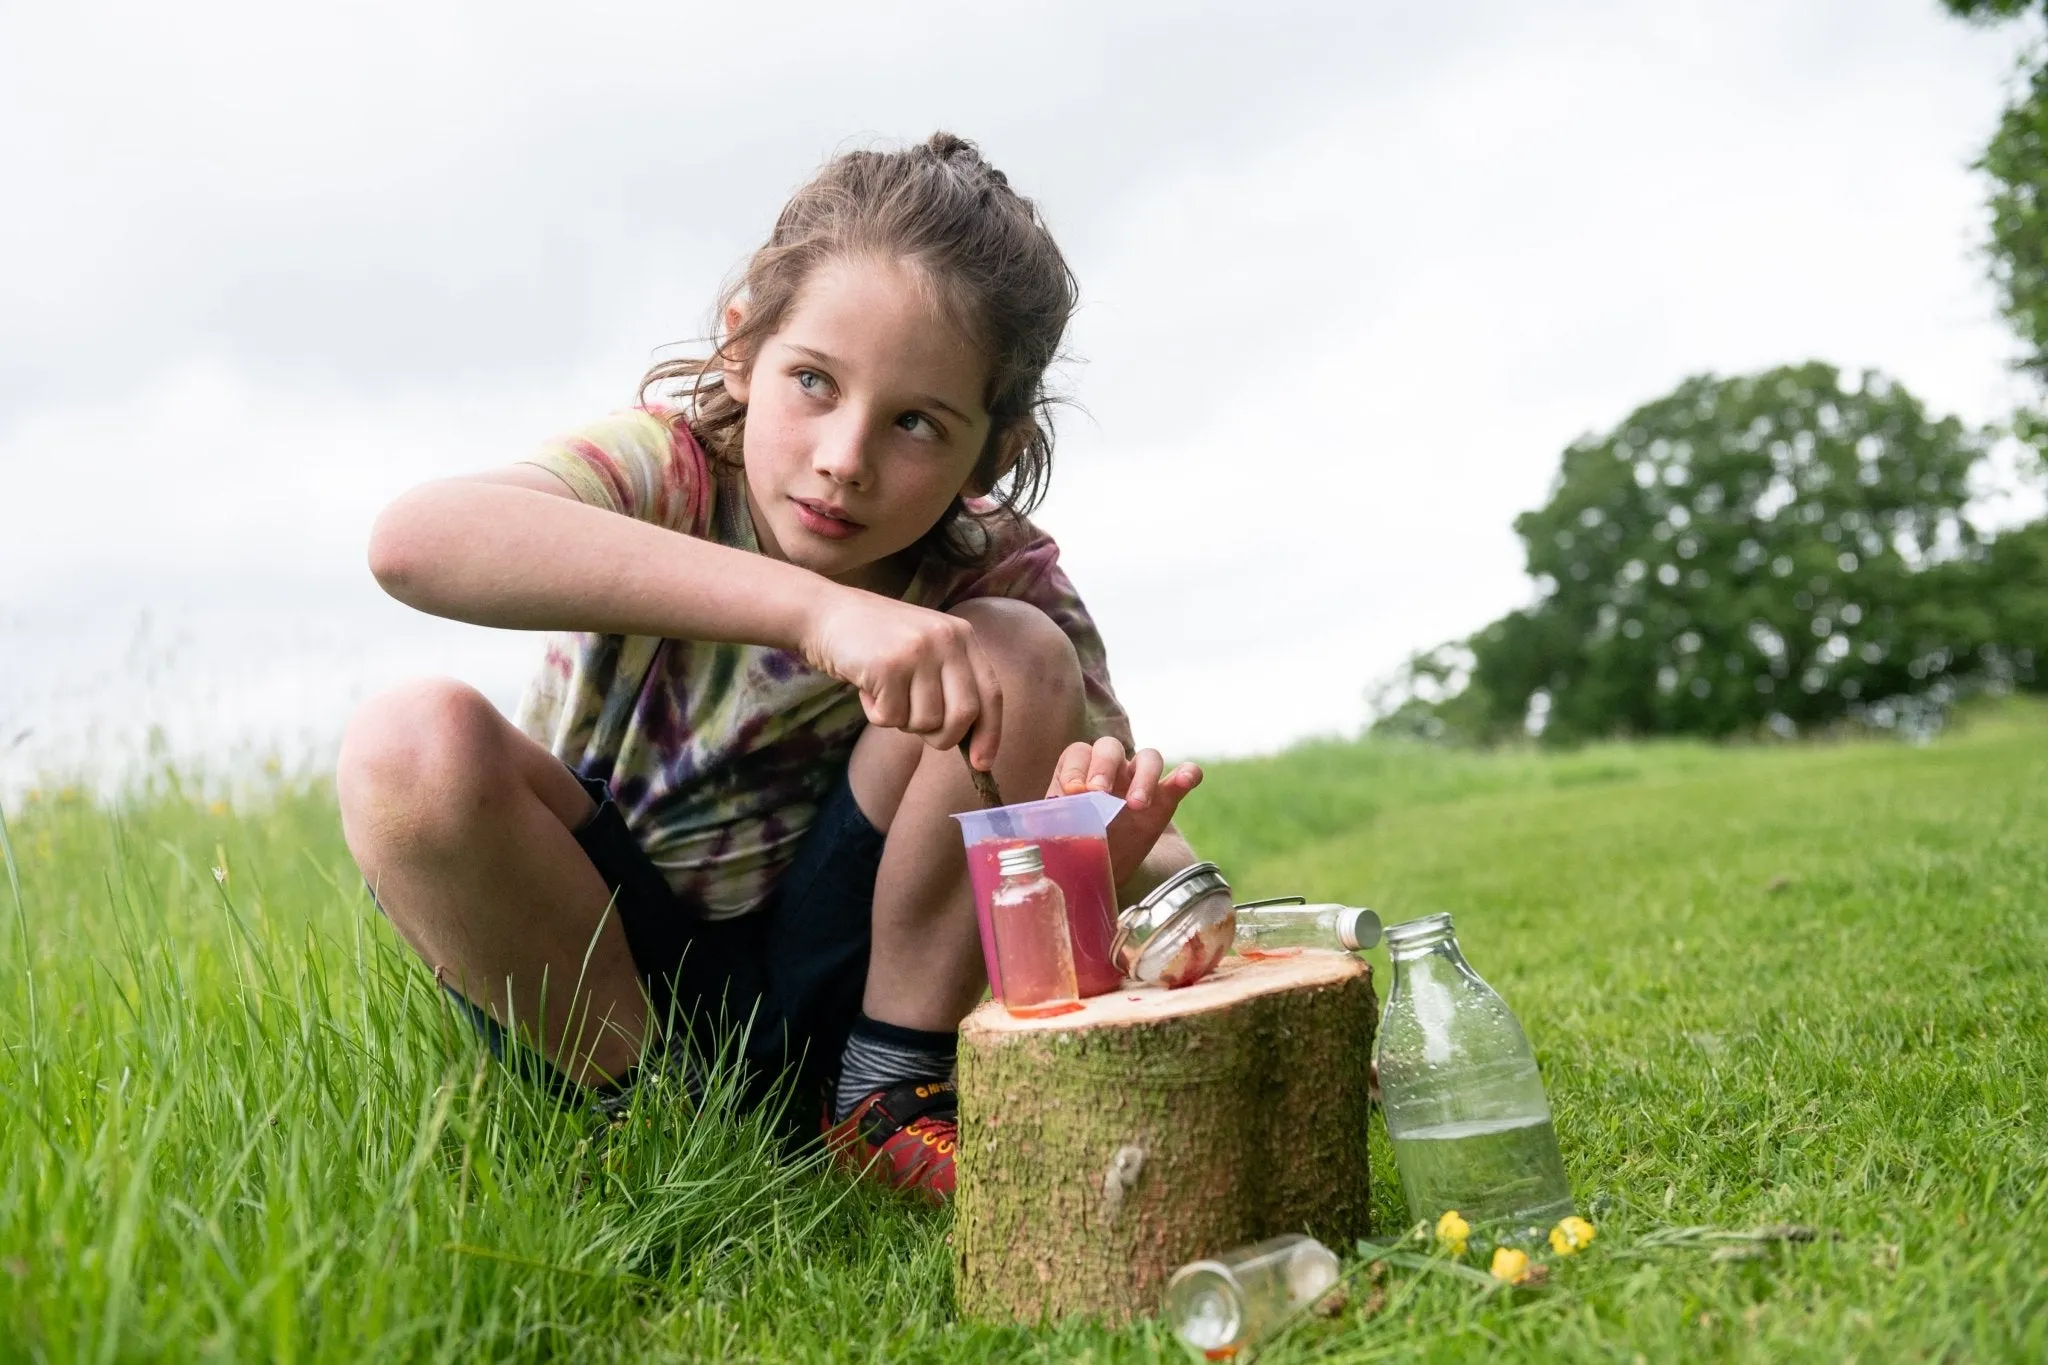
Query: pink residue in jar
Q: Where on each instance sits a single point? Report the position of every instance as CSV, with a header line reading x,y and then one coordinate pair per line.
x,y
1201,947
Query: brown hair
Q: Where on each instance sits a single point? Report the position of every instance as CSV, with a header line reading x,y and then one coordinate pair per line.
x,y
988,256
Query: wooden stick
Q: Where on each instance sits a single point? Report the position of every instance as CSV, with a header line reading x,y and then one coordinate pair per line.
x,y
984,783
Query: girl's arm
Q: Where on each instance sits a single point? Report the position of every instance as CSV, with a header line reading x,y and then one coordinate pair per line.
x,y
514,549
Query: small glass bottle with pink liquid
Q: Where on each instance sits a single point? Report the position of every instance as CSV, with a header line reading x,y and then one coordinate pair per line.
x,y
1033,950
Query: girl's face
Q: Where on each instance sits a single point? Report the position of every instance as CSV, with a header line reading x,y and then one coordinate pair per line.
x,y
864,422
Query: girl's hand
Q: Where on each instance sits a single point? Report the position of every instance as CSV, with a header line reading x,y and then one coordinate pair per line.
x,y
917,670
1150,799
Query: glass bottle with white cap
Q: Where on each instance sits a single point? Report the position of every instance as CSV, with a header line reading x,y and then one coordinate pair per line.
x,y
1288,923
1034,951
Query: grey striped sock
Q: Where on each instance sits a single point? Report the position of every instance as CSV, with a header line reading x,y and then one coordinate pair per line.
x,y
880,1055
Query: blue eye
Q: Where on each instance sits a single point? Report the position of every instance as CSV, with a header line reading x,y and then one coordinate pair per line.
x,y
909,420
810,381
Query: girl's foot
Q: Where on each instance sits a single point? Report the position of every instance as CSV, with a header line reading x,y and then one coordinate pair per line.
x,y
903,1136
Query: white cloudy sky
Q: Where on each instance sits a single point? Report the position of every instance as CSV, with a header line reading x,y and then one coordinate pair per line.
x,y
1354,274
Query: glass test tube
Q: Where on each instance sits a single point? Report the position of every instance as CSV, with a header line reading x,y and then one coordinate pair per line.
x,y
1222,1305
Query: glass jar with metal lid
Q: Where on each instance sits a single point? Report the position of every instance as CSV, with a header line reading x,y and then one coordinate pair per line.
x,y
1178,933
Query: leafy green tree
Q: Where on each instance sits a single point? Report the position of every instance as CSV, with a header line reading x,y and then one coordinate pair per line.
x,y
1778,548
1991,11
2016,162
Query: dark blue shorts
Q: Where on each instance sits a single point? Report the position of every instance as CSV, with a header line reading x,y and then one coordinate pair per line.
x,y
791,974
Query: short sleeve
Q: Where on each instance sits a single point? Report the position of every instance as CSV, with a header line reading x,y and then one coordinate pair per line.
x,y
641,463
1028,569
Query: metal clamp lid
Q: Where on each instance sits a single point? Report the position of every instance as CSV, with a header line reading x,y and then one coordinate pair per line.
x,y
1191,882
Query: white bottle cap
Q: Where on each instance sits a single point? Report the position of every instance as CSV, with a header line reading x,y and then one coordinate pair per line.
x,y
1358,928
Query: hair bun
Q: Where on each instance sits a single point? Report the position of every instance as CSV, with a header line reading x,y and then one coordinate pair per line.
x,y
952,149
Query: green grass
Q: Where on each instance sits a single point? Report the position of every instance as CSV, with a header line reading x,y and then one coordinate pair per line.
x,y
1771,985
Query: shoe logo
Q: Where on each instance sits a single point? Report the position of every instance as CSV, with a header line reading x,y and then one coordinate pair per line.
x,y
936,1137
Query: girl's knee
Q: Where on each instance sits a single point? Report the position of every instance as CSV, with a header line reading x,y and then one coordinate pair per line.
x,y
1027,648
423,748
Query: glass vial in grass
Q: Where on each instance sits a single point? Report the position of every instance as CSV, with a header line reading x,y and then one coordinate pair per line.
x,y
1033,949
1223,1305
1464,1103
1279,928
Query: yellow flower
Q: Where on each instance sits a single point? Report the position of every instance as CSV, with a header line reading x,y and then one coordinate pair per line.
x,y
218,808
1452,1230
1571,1236
1510,1265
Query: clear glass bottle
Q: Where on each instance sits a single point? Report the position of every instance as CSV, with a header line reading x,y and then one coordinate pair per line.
x,y
1034,951
1463,1100
1222,1305
1276,927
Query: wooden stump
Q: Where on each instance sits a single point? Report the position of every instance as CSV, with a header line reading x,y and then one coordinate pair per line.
x,y
1102,1150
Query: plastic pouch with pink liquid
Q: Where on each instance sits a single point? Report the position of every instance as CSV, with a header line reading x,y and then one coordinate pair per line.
x,y
1072,834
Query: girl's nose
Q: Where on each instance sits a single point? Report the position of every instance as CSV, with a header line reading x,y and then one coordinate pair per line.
x,y
842,455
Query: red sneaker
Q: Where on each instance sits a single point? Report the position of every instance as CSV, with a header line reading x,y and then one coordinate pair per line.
x,y
903,1136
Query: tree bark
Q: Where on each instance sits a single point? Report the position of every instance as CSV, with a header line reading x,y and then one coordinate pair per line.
x,y
1102,1150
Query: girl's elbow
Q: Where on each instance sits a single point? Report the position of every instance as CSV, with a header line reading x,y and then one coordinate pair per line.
x,y
396,554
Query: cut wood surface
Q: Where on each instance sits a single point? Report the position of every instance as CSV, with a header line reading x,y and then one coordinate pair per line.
x,y
1103,1149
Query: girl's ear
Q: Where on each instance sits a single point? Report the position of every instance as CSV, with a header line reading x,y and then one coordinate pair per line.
x,y
738,367
1008,447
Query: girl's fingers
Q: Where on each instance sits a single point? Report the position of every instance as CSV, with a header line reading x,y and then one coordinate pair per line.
x,y
988,713
1070,774
962,703
1103,767
1106,764
1144,778
1173,787
888,705
927,707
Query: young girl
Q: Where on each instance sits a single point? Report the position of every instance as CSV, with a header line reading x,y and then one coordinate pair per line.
x,y
784,600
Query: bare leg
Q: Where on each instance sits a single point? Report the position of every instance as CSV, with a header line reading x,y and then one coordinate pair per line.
x,y
464,826
925,967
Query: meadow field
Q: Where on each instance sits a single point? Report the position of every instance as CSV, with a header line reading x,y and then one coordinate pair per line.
x,y
1788,985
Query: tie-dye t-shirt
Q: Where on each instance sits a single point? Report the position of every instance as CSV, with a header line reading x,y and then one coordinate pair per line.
x,y
718,754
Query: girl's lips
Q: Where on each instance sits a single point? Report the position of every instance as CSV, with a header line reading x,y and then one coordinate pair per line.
x,y
820,522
